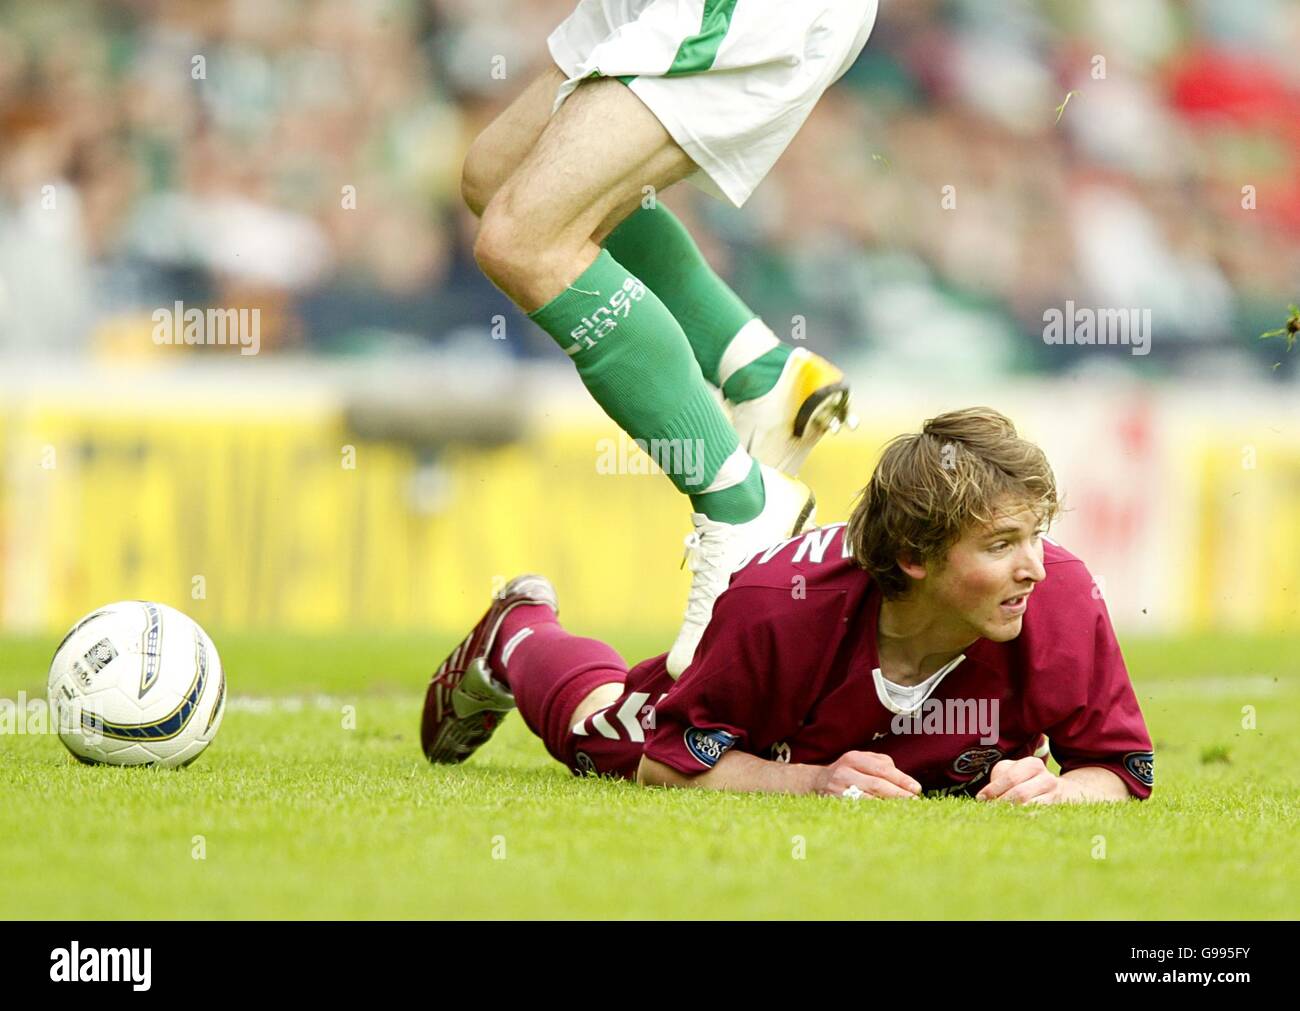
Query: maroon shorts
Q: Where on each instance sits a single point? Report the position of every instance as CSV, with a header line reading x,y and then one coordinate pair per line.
x,y
610,740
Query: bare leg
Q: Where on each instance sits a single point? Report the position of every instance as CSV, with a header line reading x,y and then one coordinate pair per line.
x,y
502,146
605,695
586,171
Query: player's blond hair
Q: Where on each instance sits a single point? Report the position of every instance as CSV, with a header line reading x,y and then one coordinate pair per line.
x,y
960,471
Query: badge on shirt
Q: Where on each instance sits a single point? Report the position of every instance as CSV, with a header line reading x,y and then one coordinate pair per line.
x,y
976,761
1142,766
707,746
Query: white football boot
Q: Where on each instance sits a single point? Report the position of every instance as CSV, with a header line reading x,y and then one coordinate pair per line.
x,y
716,550
781,427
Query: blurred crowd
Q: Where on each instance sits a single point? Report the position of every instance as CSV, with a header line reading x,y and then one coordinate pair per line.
x,y
981,163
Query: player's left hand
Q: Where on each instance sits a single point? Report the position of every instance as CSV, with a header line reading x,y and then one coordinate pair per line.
x,y
1026,781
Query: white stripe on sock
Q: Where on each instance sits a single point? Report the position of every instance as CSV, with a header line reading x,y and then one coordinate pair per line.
x,y
734,469
509,648
752,342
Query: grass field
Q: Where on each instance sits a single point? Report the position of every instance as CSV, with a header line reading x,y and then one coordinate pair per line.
x,y
288,814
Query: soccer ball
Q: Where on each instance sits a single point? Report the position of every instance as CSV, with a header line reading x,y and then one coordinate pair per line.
x,y
137,683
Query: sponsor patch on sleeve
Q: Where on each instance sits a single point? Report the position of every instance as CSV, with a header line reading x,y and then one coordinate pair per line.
x,y
707,746
1142,766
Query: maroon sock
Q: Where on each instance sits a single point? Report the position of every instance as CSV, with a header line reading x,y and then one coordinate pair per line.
x,y
550,671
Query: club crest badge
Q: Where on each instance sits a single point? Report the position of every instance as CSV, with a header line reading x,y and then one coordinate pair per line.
x,y
976,761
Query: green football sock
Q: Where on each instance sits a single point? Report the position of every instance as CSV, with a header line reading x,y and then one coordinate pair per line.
x,y
736,504
658,249
634,359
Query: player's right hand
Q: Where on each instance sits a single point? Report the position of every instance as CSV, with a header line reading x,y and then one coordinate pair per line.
x,y
874,775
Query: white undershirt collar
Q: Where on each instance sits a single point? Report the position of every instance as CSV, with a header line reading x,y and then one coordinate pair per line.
x,y
907,699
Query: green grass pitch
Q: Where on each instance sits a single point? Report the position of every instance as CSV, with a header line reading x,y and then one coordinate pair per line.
x,y
291,814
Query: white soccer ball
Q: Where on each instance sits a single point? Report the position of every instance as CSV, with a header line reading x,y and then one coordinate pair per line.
x,y
137,683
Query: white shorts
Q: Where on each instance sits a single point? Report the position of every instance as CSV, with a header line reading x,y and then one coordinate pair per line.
x,y
731,80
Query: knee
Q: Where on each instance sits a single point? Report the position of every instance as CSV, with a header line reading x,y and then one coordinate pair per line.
x,y
516,246
499,243
477,183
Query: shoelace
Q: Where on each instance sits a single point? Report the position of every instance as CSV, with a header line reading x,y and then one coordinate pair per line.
x,y
706,557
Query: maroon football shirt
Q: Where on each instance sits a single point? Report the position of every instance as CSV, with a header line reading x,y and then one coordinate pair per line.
x,y
785,671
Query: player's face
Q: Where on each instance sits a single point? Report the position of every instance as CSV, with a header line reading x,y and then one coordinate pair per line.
x,y
990,574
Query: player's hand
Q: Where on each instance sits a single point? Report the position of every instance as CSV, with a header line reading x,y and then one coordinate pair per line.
x,y
866,774
1025,781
